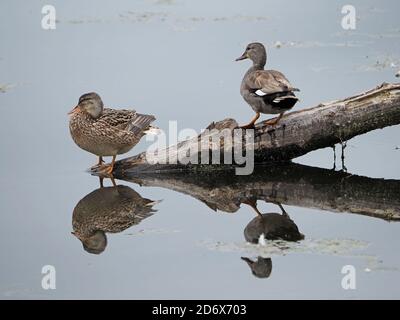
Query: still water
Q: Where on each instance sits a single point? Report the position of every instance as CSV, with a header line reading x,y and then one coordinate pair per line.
x,y
191,236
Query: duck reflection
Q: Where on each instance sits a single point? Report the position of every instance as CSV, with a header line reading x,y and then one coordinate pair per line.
x,y
268,226
108,210
261,267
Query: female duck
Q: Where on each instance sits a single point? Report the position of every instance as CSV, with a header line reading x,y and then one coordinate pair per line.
x,y
266,91
108,210
106,132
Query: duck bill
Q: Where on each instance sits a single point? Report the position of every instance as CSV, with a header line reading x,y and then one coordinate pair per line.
x,y
248,261
242,57
74,110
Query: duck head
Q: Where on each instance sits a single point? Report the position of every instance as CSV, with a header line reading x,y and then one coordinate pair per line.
x,y
255,52
90,103
96,243
261,267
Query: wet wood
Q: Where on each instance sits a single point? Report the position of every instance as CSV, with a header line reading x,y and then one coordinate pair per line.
x,y
299,132
290,184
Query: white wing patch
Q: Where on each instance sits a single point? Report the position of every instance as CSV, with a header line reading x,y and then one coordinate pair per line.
x,y
260,93
261,240
276,100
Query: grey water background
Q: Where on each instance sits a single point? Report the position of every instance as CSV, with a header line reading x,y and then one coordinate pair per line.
x,y
174,59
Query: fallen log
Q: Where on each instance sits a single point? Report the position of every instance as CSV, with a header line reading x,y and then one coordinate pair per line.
x,y
290,184
298,133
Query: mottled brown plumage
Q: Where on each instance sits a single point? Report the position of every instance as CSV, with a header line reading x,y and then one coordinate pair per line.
x,y
103,131
108,210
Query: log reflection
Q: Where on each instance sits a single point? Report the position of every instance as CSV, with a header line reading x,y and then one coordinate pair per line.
x,y
290,184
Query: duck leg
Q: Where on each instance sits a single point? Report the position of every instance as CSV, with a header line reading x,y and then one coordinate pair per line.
x,y
284,213
101,179
98,164
250,125
273,122
108,169
253,204
113,181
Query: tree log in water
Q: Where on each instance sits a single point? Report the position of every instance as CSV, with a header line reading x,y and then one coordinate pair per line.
x,y
298,132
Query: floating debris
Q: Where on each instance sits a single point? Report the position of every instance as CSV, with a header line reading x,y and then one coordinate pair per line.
x,y
398,74
151,231
381,63
278,44
5,87
165,2
319,44
152,16
339,247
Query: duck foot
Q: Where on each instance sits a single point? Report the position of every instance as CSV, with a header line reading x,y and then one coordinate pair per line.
x,y
274,121
247,126
250,125
107,169
98,164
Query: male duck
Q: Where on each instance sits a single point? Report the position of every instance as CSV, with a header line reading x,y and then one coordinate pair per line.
x,y
106,132
266,91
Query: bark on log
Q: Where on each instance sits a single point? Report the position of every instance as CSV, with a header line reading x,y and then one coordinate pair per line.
x,y
298,132
290,184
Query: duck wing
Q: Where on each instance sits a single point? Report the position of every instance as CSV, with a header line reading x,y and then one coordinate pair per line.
x,y
117,118
267,82
126,120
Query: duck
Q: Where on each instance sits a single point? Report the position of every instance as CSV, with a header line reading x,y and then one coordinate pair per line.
x,y
268,226
261,268
271,226
266,91
105,131
108,210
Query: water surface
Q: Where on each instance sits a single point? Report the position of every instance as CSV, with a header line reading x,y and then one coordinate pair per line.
x,y
174,59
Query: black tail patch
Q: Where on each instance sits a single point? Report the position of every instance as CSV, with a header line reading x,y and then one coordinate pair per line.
x,y
282,100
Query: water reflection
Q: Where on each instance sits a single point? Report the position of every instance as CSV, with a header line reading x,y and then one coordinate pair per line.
x,y
290,184
272,226
261,267
116,208
268,226
108,210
